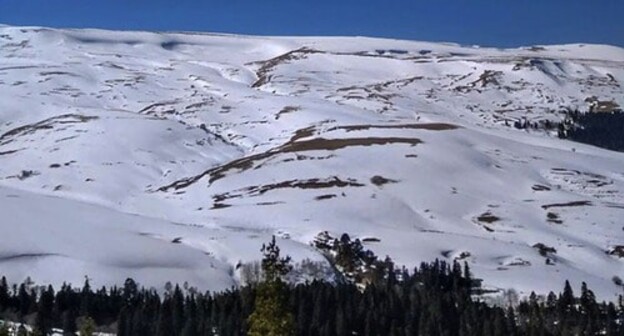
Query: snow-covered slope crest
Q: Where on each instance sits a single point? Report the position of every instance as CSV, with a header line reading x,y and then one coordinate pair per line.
x,y
174,156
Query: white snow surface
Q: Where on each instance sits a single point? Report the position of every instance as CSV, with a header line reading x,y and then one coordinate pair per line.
x,y
113,145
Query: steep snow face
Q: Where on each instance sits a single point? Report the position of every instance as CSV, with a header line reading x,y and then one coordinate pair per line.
x,y
173,157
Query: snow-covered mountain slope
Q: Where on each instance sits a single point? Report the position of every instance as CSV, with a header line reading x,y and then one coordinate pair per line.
x,y
175,156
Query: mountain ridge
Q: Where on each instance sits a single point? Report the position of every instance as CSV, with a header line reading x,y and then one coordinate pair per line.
x,y
304,135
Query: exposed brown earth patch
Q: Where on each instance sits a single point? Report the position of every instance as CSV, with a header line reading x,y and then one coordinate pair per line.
x,y
9,152
303,133
269,203
335,144
298,143
58,73
49,123
539,187
13,257
554,218
286,110
217,206
252,191
488,77
379,87
569,204
380,180
544,249
614,205
488,217
325,197
317,144
155,108
266,67
429,127
617,251
601,106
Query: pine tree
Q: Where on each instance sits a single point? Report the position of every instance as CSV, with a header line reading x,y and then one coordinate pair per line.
x,y
22,331
69,322
588,299
4,294
141,324
191,325
567,298
271,316
86,299
165,319
87,327
123,323
43,321
25,301
178,310
4,329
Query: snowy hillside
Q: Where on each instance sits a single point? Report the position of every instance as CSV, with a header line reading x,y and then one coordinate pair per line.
x,y
175,156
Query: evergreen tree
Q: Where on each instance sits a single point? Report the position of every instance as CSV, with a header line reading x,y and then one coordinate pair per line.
x,y
434,299
87,326
191,324
69,322
165,319
43,321
123,328
178,310
4,329
25,301
22,331
271,316
567,298
4,294
86,299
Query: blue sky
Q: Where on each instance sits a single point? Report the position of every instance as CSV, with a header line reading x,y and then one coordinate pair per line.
x,y
501,23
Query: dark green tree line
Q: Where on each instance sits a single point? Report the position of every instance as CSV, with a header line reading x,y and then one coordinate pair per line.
x,y
435,298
